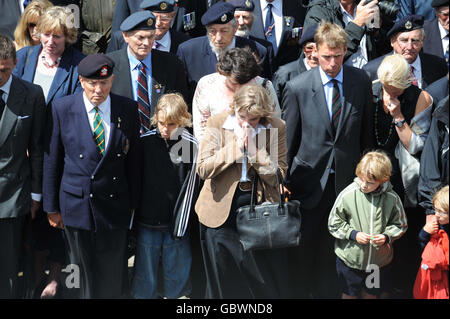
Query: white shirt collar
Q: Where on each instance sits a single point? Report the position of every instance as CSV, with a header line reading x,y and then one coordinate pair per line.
x,y
165,41
277,5
346,13
104,107
326,78
442,31
6,87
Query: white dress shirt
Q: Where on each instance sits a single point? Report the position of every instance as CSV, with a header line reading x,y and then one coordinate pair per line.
x,y
6,88
444,37
277,11
104,110
359,58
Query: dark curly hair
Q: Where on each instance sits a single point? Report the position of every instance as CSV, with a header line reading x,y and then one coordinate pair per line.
x,y
240,63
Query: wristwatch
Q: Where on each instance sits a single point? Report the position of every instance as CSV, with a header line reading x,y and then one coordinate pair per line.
x,y
400,123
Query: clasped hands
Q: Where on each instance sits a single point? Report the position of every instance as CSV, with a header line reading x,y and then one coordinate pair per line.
x,y
364,239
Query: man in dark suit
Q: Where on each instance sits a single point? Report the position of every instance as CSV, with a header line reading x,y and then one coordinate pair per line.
x,y
166,39
22,121
163,72
11,13
288,17
91,177
329,124
436,31
200,55
306,61
406,38
188,13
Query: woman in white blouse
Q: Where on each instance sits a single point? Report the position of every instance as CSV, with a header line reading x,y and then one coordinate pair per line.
x,y
214,92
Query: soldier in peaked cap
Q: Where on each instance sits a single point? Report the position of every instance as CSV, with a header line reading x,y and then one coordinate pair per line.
x,y
156,71
91,177
200,55
407,38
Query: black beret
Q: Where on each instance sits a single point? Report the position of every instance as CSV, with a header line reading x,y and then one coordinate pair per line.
x,y
141,20
96,66
219,13
158,5
308,35
406,24
439,3
242,5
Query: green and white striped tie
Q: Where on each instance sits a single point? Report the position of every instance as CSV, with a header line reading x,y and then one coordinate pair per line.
x,y
99,132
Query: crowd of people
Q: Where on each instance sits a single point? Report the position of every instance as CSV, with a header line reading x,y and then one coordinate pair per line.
x,y
136,135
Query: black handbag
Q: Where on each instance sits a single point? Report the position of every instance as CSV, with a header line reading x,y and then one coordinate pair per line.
x,y
268,225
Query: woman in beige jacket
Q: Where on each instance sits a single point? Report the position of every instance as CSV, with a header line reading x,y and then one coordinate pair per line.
x,y
247,130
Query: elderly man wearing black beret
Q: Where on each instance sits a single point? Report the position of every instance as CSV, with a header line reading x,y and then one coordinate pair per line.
x,y
407,36
200,55
144,74
91,178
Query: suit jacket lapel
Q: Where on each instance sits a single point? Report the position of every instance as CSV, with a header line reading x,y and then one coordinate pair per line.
x,y
347,99
30,68
12,110
320,100
61,74
258,25
157,88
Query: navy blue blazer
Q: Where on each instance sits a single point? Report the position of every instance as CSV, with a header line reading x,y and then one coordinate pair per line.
x,y
432,44
66,80
199,59
91,192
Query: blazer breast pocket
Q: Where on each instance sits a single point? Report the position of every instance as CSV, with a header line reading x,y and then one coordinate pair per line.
x,y
22,125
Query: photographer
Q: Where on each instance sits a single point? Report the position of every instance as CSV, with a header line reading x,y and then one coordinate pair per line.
x,y
364,43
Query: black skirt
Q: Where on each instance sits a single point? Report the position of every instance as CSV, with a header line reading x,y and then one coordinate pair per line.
x,y
233,273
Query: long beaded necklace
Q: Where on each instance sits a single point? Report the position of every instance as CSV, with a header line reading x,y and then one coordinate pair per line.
x,y
391,128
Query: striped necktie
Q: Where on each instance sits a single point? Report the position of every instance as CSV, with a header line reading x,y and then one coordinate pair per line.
x,y
446,56
336,105
99,132
413,77
142,99
269,28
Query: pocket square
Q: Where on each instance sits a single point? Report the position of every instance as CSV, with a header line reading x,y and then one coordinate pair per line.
x,y
22,117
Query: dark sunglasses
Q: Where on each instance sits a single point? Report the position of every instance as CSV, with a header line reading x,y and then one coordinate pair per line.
x,y
31,25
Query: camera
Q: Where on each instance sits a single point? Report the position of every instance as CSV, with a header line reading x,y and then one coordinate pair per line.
x,y
388,11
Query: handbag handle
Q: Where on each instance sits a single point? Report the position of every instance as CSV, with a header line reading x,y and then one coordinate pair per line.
x,y
254,190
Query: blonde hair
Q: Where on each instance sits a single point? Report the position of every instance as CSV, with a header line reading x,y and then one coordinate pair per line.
x,y
254,99
331,35
375,165
394,70
441,198
174,109
32,12
59,19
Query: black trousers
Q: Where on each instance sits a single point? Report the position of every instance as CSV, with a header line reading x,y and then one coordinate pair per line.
x,y
313,262
100,258
10,251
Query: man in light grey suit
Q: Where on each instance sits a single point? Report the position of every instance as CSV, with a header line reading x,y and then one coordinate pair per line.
x,y
22,120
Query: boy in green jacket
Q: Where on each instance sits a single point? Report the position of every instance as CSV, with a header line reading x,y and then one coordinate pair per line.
x,y
365,220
